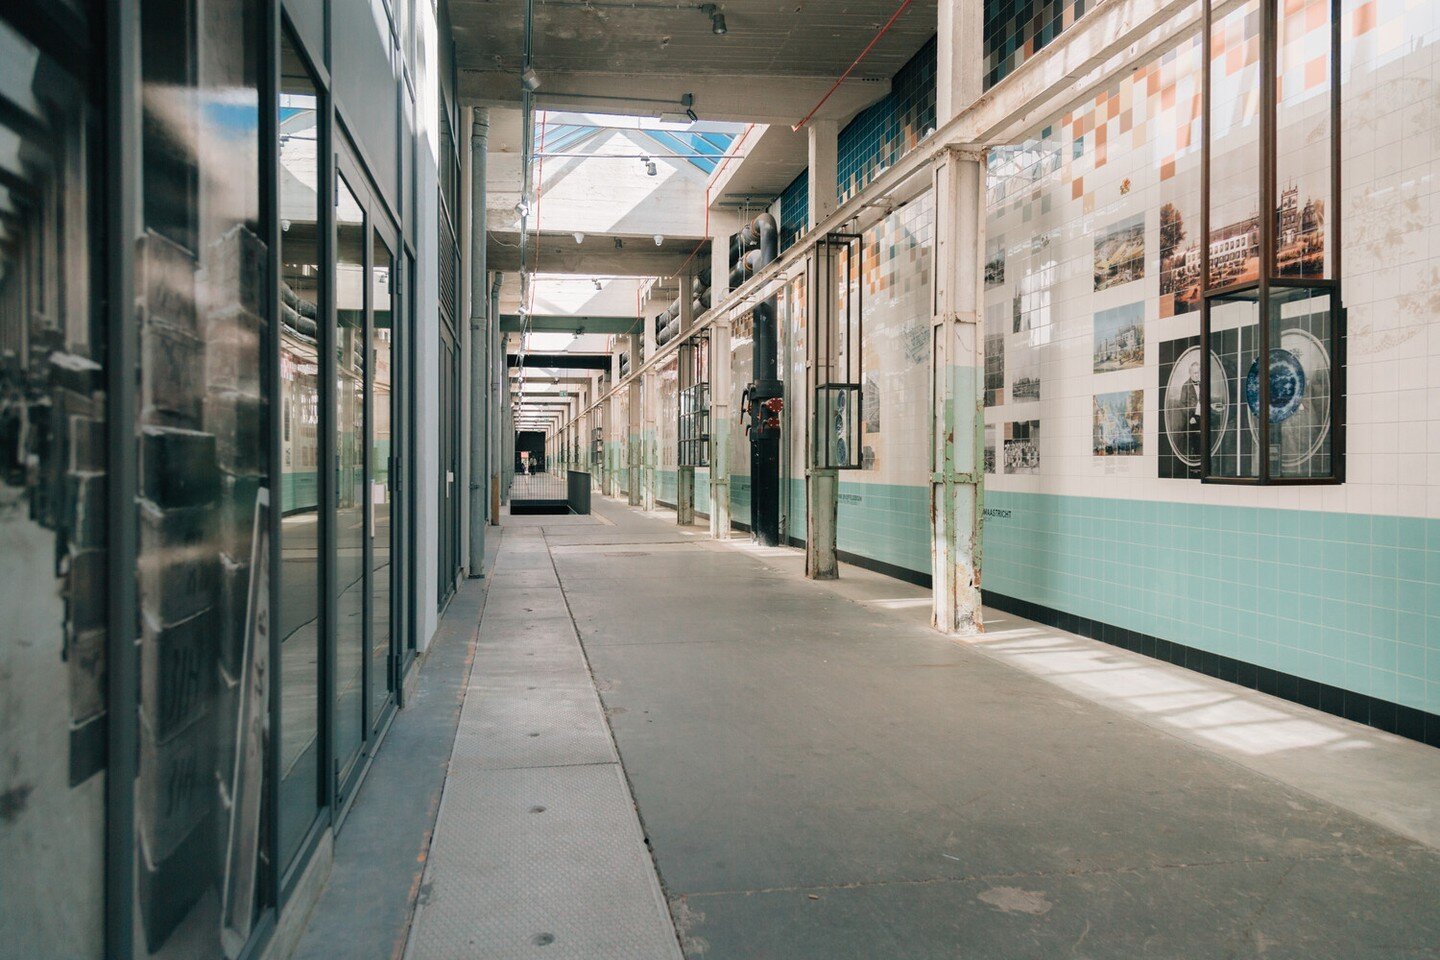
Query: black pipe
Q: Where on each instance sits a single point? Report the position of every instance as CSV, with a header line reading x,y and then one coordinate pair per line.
x,y
766,392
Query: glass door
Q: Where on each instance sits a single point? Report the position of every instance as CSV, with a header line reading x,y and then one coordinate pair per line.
x,y
381,475
348,344
301,579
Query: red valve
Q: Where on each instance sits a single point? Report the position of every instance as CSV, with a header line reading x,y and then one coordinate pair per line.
x,y
774,404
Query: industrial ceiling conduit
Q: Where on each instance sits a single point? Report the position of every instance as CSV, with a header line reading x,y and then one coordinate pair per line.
x,y
667,324
759,241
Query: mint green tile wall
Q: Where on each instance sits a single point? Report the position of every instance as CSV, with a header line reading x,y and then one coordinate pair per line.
x,y
702,490
885,522
1345,599
740,498
665,485
795,517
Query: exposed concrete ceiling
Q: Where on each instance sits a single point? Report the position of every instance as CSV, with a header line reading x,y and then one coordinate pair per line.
x,y
771,157
774,63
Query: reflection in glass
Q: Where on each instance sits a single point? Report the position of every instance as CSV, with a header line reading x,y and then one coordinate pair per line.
x,y
205,495
53,485
1303,138
298,619
1300,383
349,346
1235,344
381,491
1234,131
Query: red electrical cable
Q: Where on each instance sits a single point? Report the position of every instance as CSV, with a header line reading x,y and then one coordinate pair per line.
x,y
850,69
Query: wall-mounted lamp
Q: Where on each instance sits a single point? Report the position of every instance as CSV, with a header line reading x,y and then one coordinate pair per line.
x,y
649,166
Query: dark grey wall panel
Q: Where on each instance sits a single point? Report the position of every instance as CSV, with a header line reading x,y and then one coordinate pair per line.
x,y
308,18
366,89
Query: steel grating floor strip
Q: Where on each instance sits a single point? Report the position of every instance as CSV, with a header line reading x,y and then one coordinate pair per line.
x,y
538,850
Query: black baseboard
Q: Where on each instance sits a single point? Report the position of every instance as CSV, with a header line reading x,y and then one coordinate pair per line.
x,y
870,563
1393,718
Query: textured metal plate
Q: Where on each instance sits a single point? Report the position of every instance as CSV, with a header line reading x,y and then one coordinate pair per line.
x,y
551,864
528,725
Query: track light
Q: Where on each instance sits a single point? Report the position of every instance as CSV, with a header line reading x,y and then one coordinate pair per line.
x,y
522,209
598,284
717,19
530,78
694,118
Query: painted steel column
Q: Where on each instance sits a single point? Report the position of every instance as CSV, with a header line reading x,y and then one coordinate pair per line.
x,y
649,400
632,428
479,344
685,475
720,427
822,486
958,416
614,429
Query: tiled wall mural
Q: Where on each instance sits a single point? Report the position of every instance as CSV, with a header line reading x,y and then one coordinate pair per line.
x,y
885,131
1093,267
794,210
1016,29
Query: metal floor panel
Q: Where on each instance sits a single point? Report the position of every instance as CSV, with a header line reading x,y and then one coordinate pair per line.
x,y
556,867
538,850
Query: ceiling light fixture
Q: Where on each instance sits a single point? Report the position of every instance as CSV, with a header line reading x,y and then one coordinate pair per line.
x,y
579,237
649,166
659,239
717,19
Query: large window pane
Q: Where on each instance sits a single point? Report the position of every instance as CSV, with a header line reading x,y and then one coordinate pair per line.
x,y
381,489
298,619
349,346
201,815
53,488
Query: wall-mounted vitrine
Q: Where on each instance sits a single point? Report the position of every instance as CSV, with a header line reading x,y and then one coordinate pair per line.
x,y
1272,315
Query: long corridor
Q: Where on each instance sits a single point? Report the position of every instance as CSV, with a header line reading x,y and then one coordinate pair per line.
x,y
817,774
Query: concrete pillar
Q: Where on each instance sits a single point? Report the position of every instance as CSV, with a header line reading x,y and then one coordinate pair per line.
x,y
720,427
822,486
824,174
649,441
958,421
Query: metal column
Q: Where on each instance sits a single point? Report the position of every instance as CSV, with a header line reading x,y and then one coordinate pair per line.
x,y
479,344
649,400
720,428
957,415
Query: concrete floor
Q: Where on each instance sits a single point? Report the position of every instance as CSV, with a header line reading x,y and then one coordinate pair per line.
x,y
819,775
